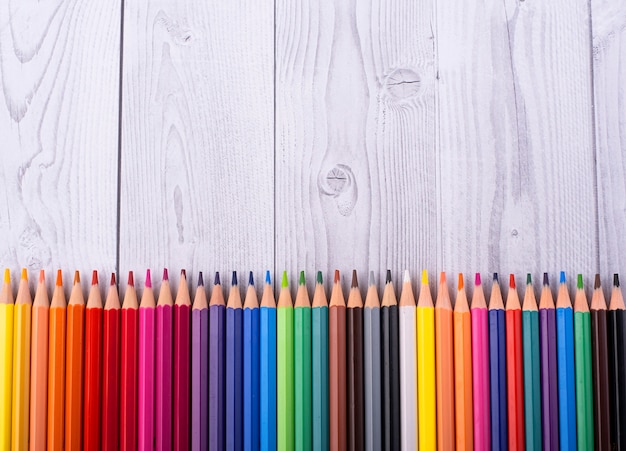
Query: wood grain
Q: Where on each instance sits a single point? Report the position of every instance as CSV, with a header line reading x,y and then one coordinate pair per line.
x,y
59,72
197,136
355,136
517,170
609,87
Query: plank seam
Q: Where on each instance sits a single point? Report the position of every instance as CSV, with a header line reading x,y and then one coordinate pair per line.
x,y
119,143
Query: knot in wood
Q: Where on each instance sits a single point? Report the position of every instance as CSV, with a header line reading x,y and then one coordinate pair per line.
x,y
402,84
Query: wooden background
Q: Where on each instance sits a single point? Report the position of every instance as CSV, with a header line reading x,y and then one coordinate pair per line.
x,y
253,134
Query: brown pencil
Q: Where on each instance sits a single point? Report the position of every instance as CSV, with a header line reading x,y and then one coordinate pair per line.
x,y
599,346
354,351
337,367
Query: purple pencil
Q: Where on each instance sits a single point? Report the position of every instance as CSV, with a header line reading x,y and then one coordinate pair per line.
x,y
549,380
199,369
217,367
164,364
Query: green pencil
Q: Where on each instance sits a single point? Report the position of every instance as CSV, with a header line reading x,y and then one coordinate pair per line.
x,y
584,382
284,373
319,350
532,386
302,362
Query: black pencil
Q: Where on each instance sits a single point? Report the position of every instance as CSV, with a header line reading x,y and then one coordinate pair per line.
x,y
616,329
354,354
391,368
599,346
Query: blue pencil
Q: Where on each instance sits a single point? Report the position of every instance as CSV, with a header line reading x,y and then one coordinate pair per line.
x,y
234,368
565,367
217,367
251,368
497,368
267,365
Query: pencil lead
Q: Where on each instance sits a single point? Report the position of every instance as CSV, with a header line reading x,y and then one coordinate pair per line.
x,y
59,282
407,276
545,279
7,275
131,279
512,281
442,277
234,280
285,281
616,280
148,283
320,280
24,274
42,275
251,279
529,279
200,279
477,280
388,278
76,277
94,277
461,282
302,280
372,280
166,275
596,283
217,278
183,273
562,277
424,277
268,278
337,276
495,277
355,282
113,279
579,282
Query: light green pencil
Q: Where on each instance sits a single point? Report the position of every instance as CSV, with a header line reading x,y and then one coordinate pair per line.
x,y
584,381
284,374
302,370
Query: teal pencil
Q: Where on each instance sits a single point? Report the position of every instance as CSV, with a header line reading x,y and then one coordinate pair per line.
x,y
319,352
532,386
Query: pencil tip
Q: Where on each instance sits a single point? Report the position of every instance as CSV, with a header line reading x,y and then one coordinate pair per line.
x,y
200,279
148,283
59,282
529,279
355,282
166,275
545,279
512,281
251,278
302,280
495,277
320,280
407,276
424,277
131,279
183,273
42,275
24,274
596,283
337,278
113,279
616,280
477,280
7,275
579,281
461,281
285,281
442,277
217,278
268,278
234,279
562,277
76,277
372,280
388,278
94,277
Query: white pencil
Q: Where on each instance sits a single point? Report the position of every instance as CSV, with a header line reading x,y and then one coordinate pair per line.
x,y
408,366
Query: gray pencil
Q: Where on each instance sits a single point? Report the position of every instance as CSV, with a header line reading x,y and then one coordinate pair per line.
x,y
372,366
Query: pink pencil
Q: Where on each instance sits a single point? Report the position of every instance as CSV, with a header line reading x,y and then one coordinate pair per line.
x,y
164,359
480,368
146,368
182,366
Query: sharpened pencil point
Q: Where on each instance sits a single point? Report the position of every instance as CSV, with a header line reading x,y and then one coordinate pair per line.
x,y
372,280
166,275
512,281
59,282
94,277
251,279
495,277
562,277
388,278
268,278
76,277
42,275
131,279
424,277
24,274
407,276
355,281
302,280
285,281
217,278
148,283
616,280
320,280
337,278
579,282
113,279
234,279
200,279
596,282
545,279
477,280
461,284
529,279
442,277
7,275
183,273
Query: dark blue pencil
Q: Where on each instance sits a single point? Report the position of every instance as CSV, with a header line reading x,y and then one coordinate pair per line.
x,y
217,368
267,367
251,368
234,368
497,368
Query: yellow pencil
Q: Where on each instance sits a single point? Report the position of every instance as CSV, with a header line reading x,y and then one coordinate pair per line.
x,y
21,365
6,361
426,388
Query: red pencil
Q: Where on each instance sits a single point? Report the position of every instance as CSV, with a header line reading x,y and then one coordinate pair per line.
x,y
128,378
111,370
182,365
93,367
514,368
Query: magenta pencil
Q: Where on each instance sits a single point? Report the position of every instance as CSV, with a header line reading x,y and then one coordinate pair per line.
x,y
164,363
182,365
145,383
480,368
200,369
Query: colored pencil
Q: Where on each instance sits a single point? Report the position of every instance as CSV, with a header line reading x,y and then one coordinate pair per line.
x,y
267,367
182,365
532,372
39,366
284,369
302,366
480,367
497,367
200,369
319,367
6,360
408,366
426,368
21,364
371,368
390,367
514,369
146,358
354,370
93,367
584,378
234,368
444,358
56,368
565,367
616,318
111,369
129,365
74,365
549,380
463,388
164,364
337,367
217,367
251,368
599,345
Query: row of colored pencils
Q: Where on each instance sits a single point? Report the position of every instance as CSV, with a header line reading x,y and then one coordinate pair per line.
x,y
380,374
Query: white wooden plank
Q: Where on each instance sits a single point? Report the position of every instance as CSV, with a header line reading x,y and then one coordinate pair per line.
x,y
197,136
355,136
609,83
59,71
517,173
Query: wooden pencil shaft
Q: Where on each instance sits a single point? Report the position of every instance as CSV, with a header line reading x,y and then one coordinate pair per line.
x,y
426,376
56,378
217,374
391,377
284,379
319,383
601,409
444,358
408,375
21,376
199,379
584,380
354,356
39,377
337,377
549,379
93,379
251,377
372,379
111,379
6,373
515,379
302,377
164,362
267,378
234,378
566,377
532,378
480,378
497,379
617,373
463,381
128,379
182,377
146,374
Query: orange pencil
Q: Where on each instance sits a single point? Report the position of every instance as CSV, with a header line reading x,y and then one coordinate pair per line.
x,y
463,371
74,368
39,366
444,358
56,368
